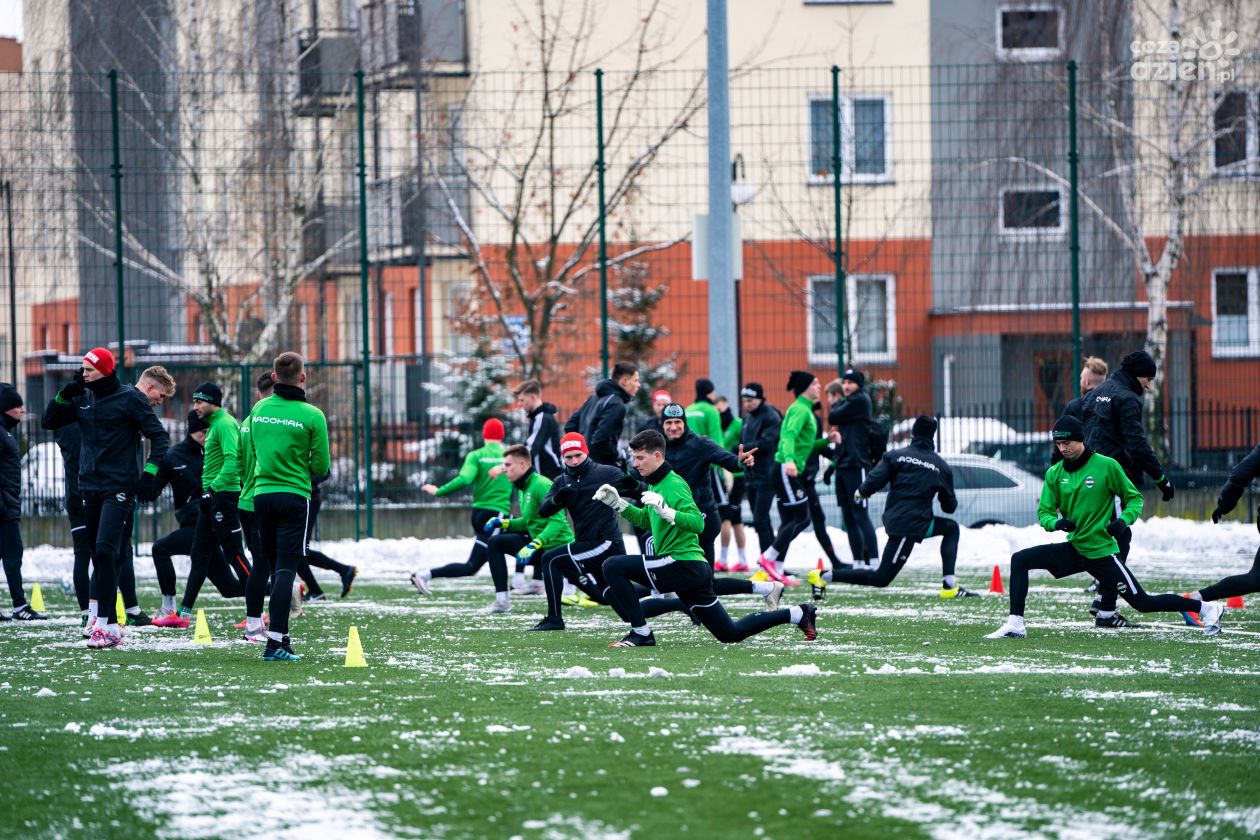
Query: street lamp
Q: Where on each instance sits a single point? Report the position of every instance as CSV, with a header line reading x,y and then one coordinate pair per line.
x,y
742,192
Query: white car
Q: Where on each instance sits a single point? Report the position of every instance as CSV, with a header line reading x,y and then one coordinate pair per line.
x,y
43,479
955,434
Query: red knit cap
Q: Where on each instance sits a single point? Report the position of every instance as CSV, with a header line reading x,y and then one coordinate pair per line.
x,y
101,359
492,429
662,396
572,441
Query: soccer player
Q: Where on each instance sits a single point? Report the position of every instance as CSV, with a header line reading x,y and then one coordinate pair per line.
x,y
601,419
702,415
730,507
181,469
491,499
678,564
526,535
917,475
849,417
112,419
762,423
1078,499
544,432
11,549
1248,582
286,447
660,399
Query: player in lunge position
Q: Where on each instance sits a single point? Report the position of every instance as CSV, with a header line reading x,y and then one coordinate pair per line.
x,y
1249,581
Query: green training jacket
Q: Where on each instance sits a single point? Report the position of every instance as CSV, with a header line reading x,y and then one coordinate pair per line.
x,y
222,468
494,494
247,462
798,436
682,539
1087,497
287,444
730,439
552,530
703,418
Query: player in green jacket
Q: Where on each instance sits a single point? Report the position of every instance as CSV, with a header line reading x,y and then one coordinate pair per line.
x,y
1078,498
287,445
731,500
703,417
679,565
527,535
798,442
491,498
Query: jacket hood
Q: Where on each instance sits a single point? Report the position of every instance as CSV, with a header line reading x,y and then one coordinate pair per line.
x,y
289,392
544,408
607,386
923,443
1128,380
10,423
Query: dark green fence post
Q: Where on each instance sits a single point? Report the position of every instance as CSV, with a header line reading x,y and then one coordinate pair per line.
x,y
364,308
358,487
603,220
247,391
1074,247
836,159
116,174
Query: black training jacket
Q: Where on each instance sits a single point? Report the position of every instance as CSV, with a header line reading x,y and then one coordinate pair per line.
x,y
1113,426
67,438
851,416
914,475
1242,475
761,430
574,491
111,417
600,420
693,457
181,468
544,441
10,471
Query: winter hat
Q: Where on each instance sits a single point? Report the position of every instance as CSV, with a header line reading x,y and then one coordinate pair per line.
x,y
9,397
573,441
799,380
1139,363
1068,427
855,376
924,426
195,423
209,392
492,429
704,387
101,359
753,391
661,396
674,411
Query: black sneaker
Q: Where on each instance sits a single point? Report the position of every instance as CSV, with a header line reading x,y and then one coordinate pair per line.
x,y
140,619
313,596
347,580
25,613
809,621
549,623
1092,588
4,616
634,639
1115,621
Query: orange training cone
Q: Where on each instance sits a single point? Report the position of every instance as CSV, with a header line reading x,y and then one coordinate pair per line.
x,y
821,567
995,585
1235,602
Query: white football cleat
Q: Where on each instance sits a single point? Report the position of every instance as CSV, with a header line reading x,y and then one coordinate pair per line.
x,y
1210,615
1008,631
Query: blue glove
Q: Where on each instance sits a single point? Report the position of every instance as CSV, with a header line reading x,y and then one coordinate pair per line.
x,y
531,548
489,527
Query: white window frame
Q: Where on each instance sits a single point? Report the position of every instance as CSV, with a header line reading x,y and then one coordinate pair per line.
x,y
1028,53
1025,233
848,2
1249,166
1252,349
847,140
885,357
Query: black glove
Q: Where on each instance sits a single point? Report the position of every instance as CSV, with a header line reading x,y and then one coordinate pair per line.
x,y
828,473
1065,525
1165,487
147,490
1216,515
73,389
1116,528
207,501
562,495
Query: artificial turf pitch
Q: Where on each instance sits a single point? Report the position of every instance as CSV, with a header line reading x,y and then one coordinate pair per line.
x,y
900,720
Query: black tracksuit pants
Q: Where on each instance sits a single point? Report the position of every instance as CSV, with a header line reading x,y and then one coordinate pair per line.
x,y
692,583
11,550
219,571
1062,560
108,518
217,529
582,564
283,532
857,519
477,557
497,549
82,573
897,552
761,499
1243,584
819,520
794,509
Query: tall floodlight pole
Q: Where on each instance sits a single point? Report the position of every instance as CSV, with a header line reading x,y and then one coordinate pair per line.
x,y
723,364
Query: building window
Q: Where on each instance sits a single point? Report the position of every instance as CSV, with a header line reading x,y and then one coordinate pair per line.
x,y
870,301
1030,32
1235,312
1236,132
1032,212
864,140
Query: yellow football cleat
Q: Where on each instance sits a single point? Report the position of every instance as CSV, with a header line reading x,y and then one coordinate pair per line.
x,y
584,601
817,585
958,592
571,600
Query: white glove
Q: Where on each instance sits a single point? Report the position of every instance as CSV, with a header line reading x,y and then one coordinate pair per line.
x,y
609,496
858,498
656,500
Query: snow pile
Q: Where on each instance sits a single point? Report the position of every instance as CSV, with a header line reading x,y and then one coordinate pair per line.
x,y
45,692
801,670
578,672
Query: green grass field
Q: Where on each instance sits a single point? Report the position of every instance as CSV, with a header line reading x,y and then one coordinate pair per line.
x,y
900,720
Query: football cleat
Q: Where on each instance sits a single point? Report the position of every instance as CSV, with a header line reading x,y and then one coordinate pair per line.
x,y
958,592
817,586
809,621
280,651
1210,614
140,619
421,583
720,566
86,630
1008,631
773,597
259,635
634,639
741,566
102,638
25,613
571,600
1092,588
771,569
549,623
67,585
585,601
498,607
1114,621
533,587
174,620
314,596
347,580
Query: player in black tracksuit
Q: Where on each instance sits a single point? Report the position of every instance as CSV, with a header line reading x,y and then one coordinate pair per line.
x,y
67,438
809,483
597,535
11,411
318,559
181,469
112,419
760,432
543,440
1248,582
602,417
915,475
850,417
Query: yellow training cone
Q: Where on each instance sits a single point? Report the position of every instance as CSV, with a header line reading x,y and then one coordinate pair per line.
x,y
120,614
354,650
37,598
201,636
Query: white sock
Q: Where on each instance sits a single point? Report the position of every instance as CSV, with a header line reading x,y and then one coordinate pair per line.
x,y
518,579
771,554
795,614
112,629
1016,621
826,575
500,597
762,587
778,564
1106,613
274,636
94,609
645,630
726,549
133,610
425,574
569,589
1195,595
950,582
252,624
742,559
168,603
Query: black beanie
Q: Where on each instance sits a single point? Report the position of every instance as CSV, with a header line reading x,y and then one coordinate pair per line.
x,y
209,392
195,423
1068,427
799,380
673,411
1139,363
704,387
753,391
924,426
9,397
855,376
